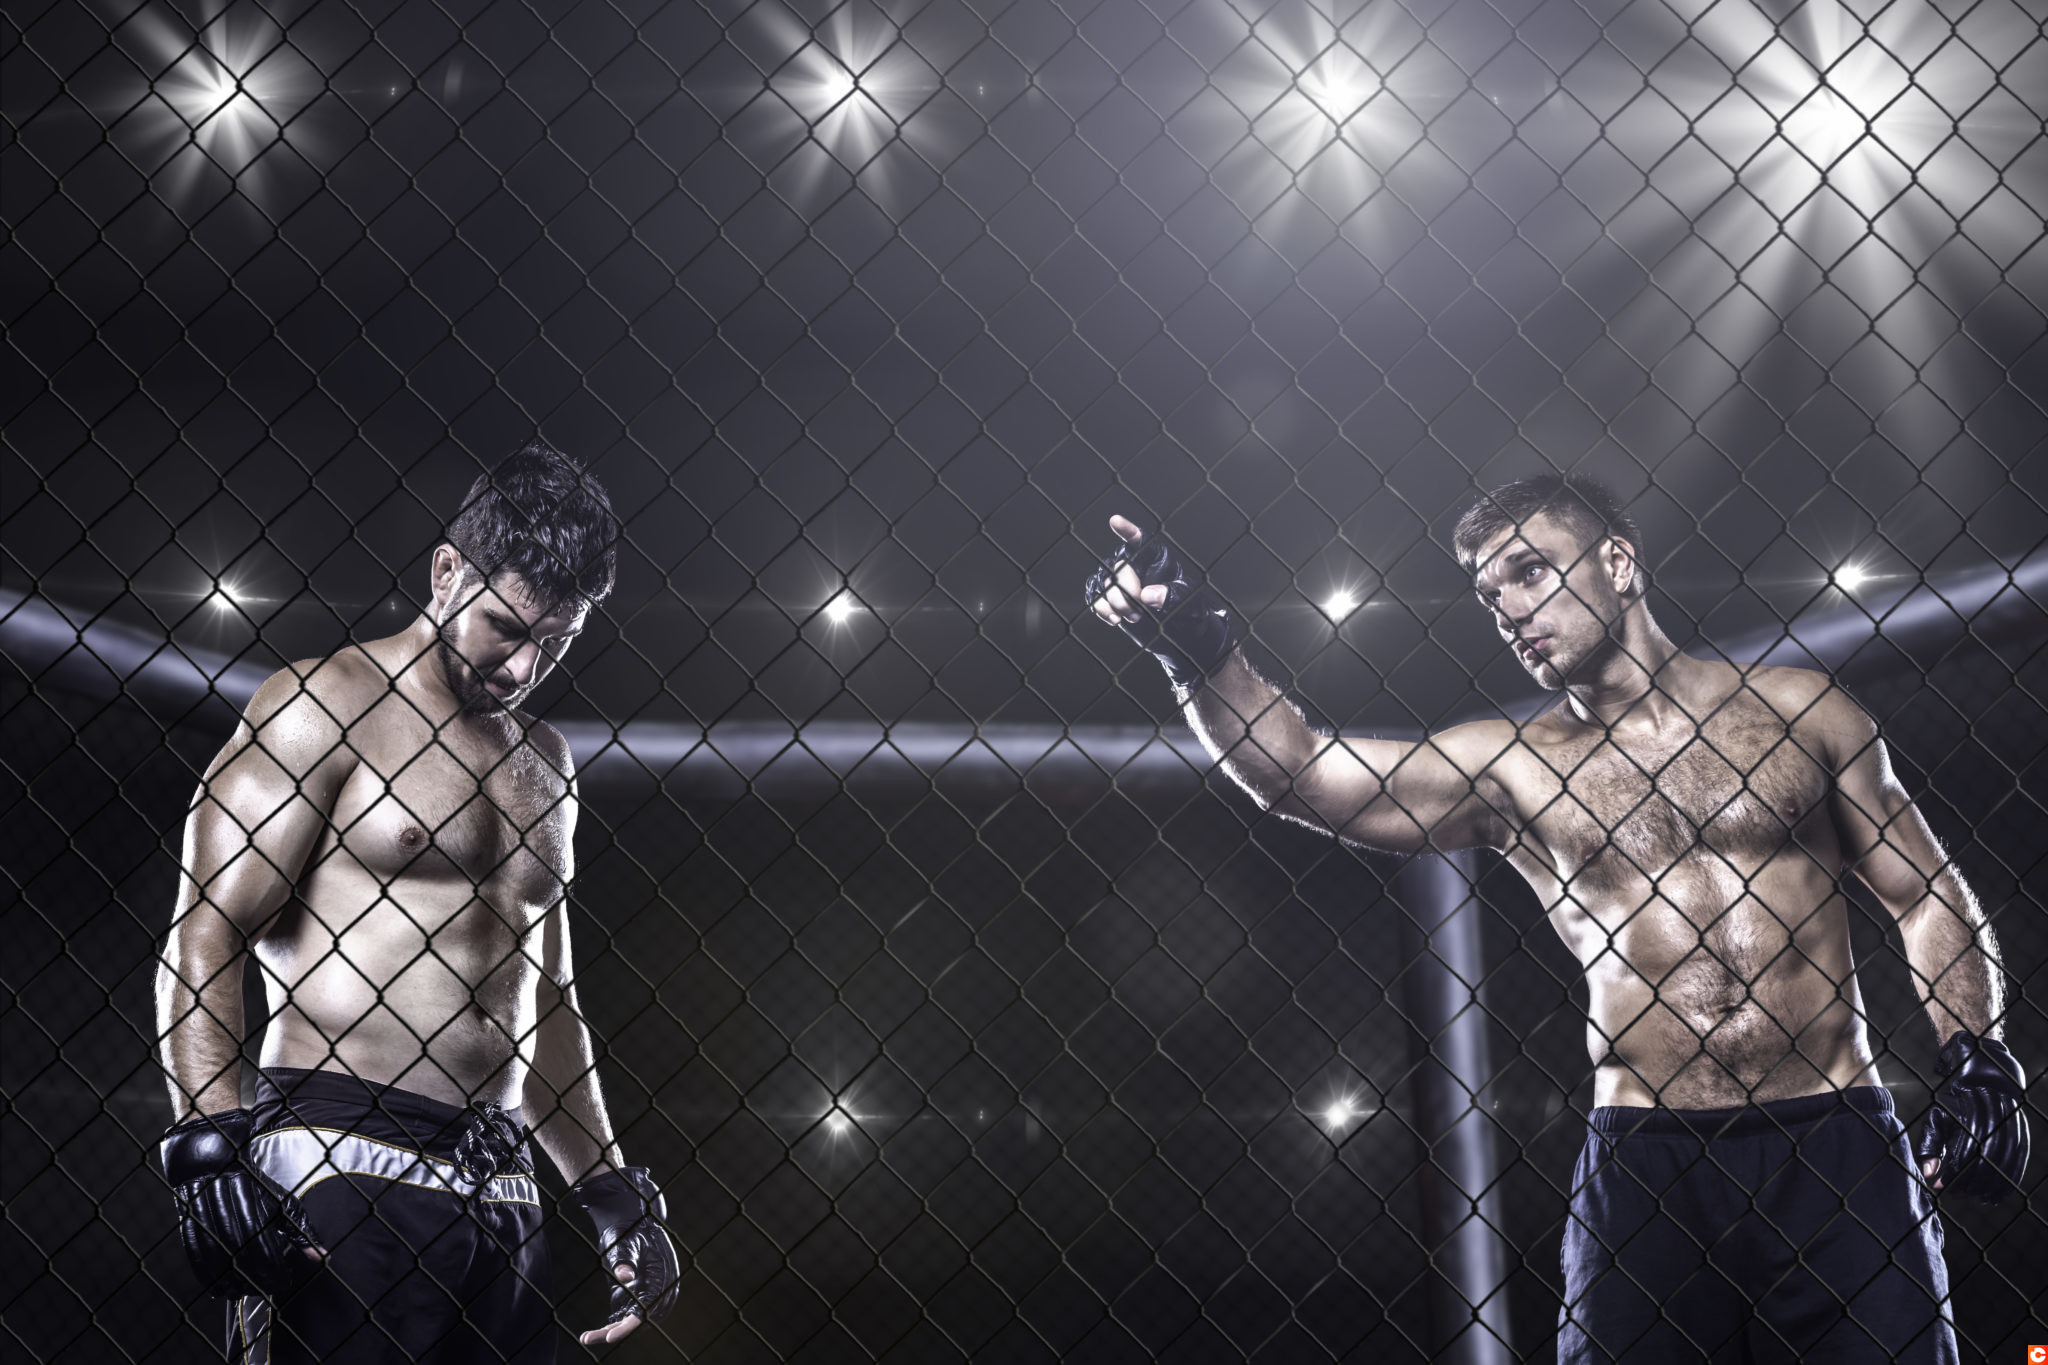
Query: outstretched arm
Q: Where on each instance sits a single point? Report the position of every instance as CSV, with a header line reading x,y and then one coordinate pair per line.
x,y
1441,794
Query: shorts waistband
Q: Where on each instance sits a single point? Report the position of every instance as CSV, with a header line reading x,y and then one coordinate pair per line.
x,y
297,1159
290,1097
1748,1120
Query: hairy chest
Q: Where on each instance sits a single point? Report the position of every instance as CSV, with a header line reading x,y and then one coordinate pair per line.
x,y
1733,794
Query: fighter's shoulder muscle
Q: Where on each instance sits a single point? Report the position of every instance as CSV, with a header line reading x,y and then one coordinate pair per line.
x,y
1816,710
302,714
551,744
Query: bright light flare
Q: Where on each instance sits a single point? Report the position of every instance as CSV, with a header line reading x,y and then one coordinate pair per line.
x,y
1850,577
1339,83
220,100
840,609
1339,605
838,1123
854,84
1318,103
1343,1111
226,93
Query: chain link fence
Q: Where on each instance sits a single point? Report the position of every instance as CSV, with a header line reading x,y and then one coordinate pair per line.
x,y
960,1004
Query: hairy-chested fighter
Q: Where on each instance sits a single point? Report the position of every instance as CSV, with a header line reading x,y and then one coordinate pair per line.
x,y
1745,1186
392,838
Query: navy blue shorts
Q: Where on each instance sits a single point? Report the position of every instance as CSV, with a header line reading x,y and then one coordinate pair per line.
x,y
1798,1230
431,1220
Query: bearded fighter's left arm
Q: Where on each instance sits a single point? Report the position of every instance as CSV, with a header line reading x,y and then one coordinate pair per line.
x,y
566,1104
563,1099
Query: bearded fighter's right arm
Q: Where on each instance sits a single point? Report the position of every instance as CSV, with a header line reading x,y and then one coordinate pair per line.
x,y
1439,794
253,823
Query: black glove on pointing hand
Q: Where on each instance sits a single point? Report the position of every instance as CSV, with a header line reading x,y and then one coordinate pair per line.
x,y
240,1236
628,1209
1192,631
1977,1126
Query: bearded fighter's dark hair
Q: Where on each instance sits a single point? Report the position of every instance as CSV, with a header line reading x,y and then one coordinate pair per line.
x,y
542,516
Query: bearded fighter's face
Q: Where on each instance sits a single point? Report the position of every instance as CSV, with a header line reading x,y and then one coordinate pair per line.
x,y
494,644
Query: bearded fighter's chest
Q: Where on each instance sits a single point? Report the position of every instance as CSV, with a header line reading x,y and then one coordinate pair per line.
x,y
1732,796
492,825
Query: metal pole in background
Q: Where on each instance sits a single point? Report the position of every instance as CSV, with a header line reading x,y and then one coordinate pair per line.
x,y
1461,1203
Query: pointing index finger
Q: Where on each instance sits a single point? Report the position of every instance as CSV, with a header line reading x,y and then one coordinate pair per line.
x,y
1127,529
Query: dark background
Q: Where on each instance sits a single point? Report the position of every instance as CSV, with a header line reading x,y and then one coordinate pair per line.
x,y
1293,279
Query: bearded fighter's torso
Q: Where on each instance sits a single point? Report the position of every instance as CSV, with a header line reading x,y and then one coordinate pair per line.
x,y
407,953
1693,870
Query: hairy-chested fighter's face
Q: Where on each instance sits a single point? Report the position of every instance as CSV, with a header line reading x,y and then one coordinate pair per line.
x,y
1554,598
494,644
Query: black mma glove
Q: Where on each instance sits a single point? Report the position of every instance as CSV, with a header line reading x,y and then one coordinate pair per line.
x,y
241,1236
1977,1126
1192,631
628,1209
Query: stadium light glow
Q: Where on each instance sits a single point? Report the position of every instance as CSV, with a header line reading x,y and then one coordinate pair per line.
x,y
219,97
855,84
1318,103
1343,1110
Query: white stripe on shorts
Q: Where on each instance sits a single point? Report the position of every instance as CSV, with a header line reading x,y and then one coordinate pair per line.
x,y
297,1159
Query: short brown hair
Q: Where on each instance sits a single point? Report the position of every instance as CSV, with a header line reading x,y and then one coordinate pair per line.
x,y
1584,505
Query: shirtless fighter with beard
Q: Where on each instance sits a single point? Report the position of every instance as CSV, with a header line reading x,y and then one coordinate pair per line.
x,y
1745,1191
392,838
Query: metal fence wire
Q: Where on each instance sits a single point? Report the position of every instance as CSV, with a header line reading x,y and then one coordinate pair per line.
x,y
961,1004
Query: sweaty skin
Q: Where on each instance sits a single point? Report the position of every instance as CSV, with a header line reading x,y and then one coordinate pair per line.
x,y
392,838
1685,823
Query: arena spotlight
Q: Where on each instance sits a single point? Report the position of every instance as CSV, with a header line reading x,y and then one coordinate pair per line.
x,y
1836,138
217,89
1849,577
1339,83
840,609
1344,1110
1317,102
854,84
838,1123
1339,605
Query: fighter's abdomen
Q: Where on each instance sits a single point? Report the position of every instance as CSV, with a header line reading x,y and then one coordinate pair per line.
x,y
1723,1000
418,981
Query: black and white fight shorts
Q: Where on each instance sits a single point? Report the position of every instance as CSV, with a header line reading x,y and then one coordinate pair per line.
x,y
1795,1231
431,1219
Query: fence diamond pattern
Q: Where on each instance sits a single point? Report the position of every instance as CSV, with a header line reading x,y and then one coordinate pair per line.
x,y
962,1007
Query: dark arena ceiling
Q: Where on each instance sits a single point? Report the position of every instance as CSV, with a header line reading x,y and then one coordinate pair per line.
x,y
891,306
